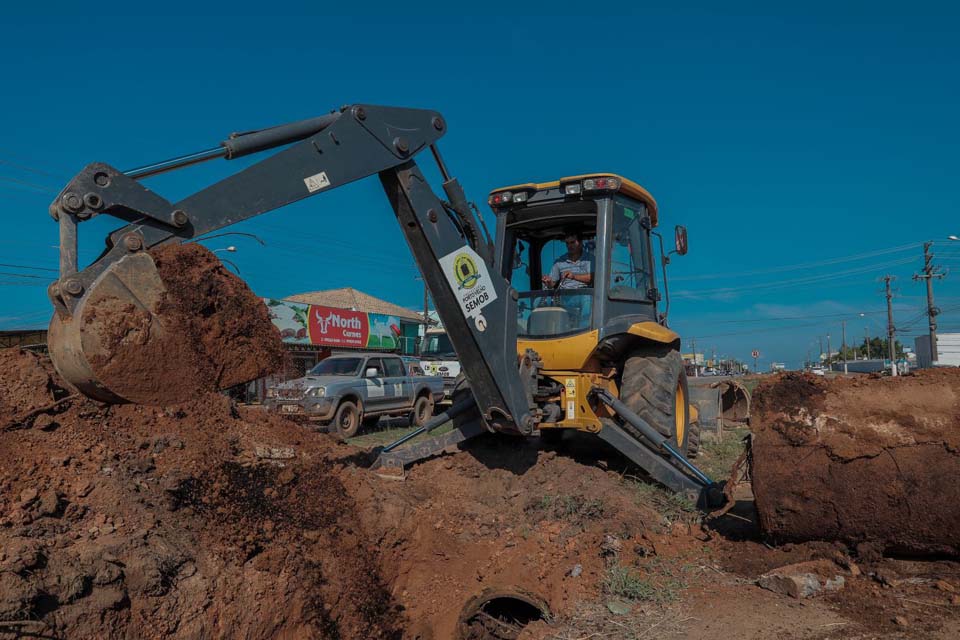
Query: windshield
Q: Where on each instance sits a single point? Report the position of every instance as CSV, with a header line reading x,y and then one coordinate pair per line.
x,y
437,345
337,367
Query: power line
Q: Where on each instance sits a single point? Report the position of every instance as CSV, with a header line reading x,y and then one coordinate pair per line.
x,y
24,266
24,167
794,281
28,184
851,314
806,265
24,275
12,153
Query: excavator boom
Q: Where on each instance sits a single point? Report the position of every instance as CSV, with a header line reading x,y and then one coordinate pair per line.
x,y
473,301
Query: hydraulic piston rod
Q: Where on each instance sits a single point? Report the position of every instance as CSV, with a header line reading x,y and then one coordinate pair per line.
x,y
651,434
241,144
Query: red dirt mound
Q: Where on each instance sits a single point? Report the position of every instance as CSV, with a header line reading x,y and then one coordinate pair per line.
x,y
216,333
865,461
27,383
199,520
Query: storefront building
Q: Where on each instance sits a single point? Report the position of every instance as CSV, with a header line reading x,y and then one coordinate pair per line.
x,y
314,325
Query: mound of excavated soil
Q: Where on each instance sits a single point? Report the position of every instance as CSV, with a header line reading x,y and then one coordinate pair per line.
x,y
193,521
216,333
205,520
865,461
25,385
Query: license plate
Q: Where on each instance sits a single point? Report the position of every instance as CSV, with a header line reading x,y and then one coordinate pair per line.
x,y
290,408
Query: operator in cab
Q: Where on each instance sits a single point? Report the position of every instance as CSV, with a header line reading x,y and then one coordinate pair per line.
x,y
574,269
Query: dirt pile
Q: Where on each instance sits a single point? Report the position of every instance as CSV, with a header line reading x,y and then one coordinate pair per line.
x,y
199,520
209,520
26,385
208,332
871,462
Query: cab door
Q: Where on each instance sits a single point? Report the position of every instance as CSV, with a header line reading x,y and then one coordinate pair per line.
x,y
397,384
375,385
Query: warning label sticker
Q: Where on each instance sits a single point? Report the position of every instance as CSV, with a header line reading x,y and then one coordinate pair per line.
x,y
317,182
468,276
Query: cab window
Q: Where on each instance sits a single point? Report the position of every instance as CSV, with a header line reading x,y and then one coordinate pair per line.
x,y
394,367
520,274
630,277
374,363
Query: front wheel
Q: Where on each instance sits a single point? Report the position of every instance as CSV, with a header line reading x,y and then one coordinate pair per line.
x,y
347,419
422,411
654,386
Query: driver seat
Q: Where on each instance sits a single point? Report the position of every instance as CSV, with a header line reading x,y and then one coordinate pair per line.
x,y
547,321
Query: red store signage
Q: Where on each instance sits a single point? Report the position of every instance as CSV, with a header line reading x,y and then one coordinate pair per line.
x,y
338,327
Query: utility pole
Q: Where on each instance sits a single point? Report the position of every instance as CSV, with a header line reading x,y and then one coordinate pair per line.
x,y
829,353
891,332
693,341
929,273
843,347
866,336
426,306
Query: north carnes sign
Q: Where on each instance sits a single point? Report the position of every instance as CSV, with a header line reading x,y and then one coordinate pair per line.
x,y
313,324
338,327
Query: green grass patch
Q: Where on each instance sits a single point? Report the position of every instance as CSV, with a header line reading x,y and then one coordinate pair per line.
x,y
382,436
624,582
570,508
659,586
718,455
674,507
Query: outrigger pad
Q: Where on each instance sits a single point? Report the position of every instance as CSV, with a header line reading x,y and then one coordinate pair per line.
x,y
393,463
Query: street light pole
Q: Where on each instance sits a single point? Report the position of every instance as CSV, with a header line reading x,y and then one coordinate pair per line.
x,y
230,249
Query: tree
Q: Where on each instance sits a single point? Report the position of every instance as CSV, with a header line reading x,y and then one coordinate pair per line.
x,y
878,350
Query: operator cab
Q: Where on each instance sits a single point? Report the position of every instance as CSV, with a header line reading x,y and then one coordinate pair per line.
x,y
538,226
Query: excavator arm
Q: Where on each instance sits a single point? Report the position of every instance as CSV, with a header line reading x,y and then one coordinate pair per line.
x,y
448,242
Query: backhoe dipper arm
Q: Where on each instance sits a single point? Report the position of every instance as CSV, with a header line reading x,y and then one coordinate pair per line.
x,y
475,303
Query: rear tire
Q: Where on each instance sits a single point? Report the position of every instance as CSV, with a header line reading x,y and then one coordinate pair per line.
x,y
693,440
347,419
422,411
654,386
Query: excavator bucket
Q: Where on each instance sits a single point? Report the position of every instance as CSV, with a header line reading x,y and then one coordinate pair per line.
x,y
114,319
161,327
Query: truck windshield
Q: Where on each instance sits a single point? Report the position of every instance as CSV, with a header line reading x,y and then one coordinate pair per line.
x,y
337,367
437,345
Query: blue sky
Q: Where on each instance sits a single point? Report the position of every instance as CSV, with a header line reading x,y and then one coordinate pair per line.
x,y
779,137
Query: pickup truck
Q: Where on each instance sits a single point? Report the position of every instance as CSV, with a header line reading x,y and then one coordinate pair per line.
x,y
346,391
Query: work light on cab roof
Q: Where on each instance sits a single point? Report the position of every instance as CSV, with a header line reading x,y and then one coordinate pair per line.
x,y
592,184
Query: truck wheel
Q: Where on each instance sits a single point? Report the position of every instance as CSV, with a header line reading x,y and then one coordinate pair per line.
x,y
422,411
654,386
347,419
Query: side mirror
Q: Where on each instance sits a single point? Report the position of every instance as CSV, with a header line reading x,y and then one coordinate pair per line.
x,y
371,372
680,234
